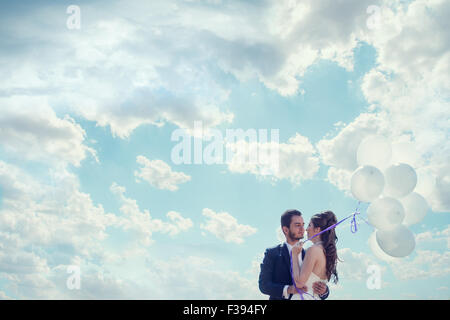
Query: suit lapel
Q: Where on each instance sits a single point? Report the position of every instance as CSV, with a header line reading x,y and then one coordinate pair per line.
x,y
285,254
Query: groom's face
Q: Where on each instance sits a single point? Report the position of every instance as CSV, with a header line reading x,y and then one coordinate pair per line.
x,y
297,228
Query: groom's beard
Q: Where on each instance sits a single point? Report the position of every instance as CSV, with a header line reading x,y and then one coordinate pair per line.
x,y
294,237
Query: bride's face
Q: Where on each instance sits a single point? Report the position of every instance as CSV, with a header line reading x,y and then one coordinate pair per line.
x,y
311,231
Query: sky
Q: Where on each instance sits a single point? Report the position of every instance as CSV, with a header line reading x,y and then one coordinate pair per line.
x,y
93,204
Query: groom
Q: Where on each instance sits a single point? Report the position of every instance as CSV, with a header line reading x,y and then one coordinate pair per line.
x,y
275,277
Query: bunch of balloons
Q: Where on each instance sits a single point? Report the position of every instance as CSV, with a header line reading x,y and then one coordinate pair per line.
x,y
390,190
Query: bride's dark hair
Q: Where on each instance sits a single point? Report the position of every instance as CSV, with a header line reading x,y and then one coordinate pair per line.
x,y
324,220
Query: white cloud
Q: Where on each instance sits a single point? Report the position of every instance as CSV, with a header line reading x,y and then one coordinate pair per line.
x,y
434,237
142,68
424,62
296,160
179,223
308,31
44,228
354,265
44,215
22,262
117,73
408,93
340,151
193,277
159,174
142,224
29,128
43,225
224,226
426,264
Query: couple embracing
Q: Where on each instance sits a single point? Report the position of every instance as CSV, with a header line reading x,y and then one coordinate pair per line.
x,y
307,276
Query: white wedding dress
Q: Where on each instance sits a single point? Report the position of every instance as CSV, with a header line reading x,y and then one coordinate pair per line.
x,y
309,295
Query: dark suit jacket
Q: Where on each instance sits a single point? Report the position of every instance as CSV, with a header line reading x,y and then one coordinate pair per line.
x,y
276,272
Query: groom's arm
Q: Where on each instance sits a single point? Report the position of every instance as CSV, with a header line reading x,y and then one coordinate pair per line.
x,y
321,289
266,285
325,295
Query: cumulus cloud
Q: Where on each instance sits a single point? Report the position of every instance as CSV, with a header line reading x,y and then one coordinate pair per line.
x,y
226,227
42,214
200,278
191,277
29,128
340,151
296,160
426,264
141,223
179,223
22,262
43,225
434,237
354,265
159,174
44,228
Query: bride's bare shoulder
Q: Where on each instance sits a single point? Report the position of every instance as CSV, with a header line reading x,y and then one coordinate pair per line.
x,y
314,250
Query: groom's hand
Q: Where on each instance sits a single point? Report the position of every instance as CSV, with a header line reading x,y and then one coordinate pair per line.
x,y
297,248
319,288
292,290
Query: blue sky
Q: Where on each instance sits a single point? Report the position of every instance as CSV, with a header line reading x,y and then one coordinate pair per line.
x,y
80,107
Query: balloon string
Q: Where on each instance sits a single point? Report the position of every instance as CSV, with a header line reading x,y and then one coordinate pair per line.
x,y
354,227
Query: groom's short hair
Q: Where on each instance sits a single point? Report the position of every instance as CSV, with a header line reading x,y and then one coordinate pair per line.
x,y
286,217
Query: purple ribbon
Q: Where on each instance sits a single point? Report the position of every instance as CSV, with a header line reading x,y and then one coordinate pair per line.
x,y
353,229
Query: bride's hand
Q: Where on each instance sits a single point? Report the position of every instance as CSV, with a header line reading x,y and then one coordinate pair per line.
x,y
297,248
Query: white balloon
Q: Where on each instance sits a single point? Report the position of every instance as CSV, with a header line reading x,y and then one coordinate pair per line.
x,y
374,151
401,179
385,213
397,242
367,183
416,208
376,250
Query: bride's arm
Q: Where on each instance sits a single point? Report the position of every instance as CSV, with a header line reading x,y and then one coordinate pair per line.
x,y
307,267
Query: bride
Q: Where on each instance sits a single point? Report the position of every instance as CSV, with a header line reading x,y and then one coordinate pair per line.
x,y
320,260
